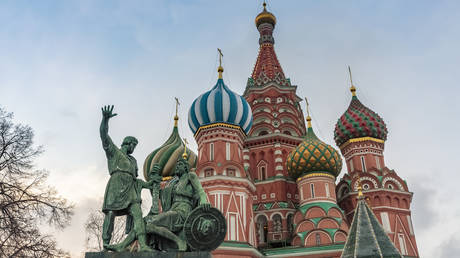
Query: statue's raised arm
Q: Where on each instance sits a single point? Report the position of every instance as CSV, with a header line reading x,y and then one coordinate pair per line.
x,y
104,129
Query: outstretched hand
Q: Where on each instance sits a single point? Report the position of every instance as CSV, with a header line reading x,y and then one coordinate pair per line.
x,y
107,112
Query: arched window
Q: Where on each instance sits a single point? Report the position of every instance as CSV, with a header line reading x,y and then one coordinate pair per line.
x,y
263,133
277,224
262,173
262,229
290,224
287,132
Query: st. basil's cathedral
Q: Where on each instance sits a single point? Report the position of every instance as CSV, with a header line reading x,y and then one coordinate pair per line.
x,y
275,180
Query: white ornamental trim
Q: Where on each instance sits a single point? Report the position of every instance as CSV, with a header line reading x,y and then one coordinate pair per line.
x,y
394,180
363,178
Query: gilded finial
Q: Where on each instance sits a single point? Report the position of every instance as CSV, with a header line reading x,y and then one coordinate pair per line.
x,y
220,69
352,87
184,155
176,117
265,6
308,113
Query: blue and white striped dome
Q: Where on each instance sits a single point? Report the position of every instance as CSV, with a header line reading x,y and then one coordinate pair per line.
x,y
220,105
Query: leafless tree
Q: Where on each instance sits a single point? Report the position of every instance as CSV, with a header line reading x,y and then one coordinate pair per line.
x,y
93,229
25,198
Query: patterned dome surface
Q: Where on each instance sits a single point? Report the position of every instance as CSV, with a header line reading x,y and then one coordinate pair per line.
x,y
359,121
168,154
220,105
313,156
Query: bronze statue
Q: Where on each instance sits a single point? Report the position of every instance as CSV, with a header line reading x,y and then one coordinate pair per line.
x,y
122,194
186,221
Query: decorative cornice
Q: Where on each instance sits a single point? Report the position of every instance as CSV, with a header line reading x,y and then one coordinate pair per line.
x,y
314,175
361,139
217,125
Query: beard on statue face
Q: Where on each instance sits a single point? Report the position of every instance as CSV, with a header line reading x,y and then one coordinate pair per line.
x,y
181,168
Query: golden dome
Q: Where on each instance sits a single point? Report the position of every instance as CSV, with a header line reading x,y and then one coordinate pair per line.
x,y
265,17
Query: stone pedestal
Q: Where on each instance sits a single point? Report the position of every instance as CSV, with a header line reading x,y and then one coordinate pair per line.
x,y
156,254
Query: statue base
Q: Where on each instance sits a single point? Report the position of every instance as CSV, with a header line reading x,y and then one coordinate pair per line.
x,y
168,254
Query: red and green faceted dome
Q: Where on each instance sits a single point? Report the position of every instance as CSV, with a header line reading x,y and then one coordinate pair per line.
x,y
313,156
359,121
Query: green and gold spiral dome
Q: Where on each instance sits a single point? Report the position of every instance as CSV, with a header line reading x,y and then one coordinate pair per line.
x,y
168,154
313,156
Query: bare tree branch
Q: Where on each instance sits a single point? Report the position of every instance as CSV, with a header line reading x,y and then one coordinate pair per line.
x,y
25,198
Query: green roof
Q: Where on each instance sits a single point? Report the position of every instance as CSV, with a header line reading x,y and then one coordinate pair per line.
x,y
366,237
292,250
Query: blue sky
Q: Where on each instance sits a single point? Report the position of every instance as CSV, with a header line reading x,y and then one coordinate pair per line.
x,y
60,61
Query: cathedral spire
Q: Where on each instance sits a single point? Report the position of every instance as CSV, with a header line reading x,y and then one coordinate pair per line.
x,y
267,67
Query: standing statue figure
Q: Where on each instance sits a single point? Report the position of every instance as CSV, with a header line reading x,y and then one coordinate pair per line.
x,y
122,194
182,194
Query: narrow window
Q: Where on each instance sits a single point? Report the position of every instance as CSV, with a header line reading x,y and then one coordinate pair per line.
x,y
227,151
402,244
327,190
385,221
312,188
363,163
377,161
318,239
211,151
263,175
351,165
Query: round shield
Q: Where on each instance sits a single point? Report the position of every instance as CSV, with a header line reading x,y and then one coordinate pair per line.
x,y
205,230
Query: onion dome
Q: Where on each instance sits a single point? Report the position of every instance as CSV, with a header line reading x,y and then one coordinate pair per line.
x,y
220,105
265,17
313,156
168,154
359,121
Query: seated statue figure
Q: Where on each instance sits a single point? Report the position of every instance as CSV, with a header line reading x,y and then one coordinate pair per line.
x,y
179,197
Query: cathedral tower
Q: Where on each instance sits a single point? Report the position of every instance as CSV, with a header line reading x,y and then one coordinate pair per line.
x,y
360,134
277,128
220,120
319,220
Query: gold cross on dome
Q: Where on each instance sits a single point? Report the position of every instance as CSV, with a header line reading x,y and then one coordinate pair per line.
x,y
177,104
351,78
308,105
220,56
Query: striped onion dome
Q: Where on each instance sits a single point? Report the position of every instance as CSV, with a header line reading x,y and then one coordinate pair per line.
x,y
313,156
168,154
220,105
359,121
